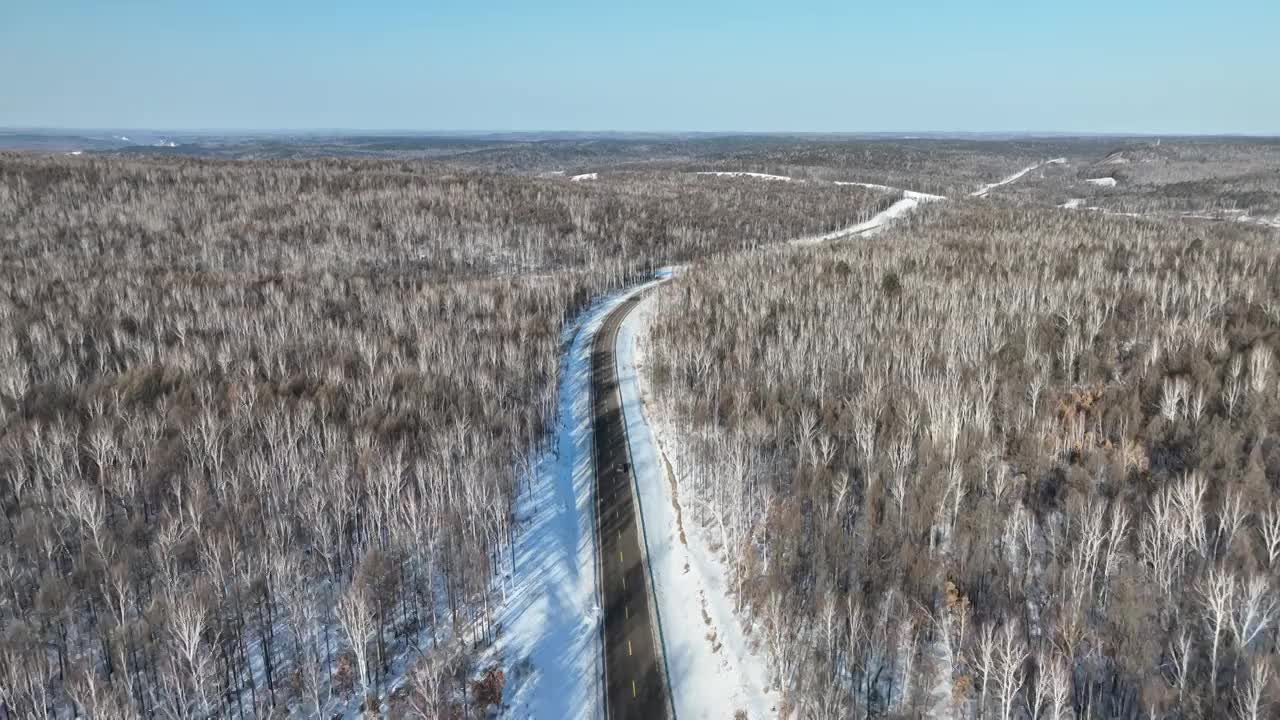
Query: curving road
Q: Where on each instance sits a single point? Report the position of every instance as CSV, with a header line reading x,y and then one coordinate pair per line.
x,y
634,673
982,191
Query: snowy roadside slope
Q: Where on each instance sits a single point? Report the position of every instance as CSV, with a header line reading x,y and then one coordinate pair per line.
x,y
982,191
550,645
713,670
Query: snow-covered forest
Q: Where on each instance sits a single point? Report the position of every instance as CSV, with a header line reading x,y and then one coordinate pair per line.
x,y
261,423
997,462
271,430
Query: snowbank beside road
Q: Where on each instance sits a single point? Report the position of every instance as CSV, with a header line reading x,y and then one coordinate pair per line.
x,y
713,668
585,176
550,644
1102,181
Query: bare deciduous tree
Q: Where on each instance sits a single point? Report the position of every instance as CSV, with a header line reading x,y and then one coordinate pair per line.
x,y
356,615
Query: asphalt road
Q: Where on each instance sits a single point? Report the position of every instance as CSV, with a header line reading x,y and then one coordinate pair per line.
x,y
635,681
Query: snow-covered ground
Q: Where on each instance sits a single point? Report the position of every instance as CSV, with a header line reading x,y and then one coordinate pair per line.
x,y
910,201
585,176
1241,216
550,641
761,176
713,668
982,191
910,194
1102,181
1117,213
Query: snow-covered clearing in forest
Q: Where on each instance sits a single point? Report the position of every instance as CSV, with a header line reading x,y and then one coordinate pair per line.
x,y
713,666
1072,204
982,191
550,643
1102,181
585,176
761,176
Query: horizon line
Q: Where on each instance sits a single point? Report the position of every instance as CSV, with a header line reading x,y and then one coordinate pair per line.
x,y
901,134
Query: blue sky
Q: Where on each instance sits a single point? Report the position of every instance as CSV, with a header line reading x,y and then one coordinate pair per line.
x,y
805,65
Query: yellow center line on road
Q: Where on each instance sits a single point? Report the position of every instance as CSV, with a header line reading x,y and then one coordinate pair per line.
x,y
633,688
628,648
624,582
620,556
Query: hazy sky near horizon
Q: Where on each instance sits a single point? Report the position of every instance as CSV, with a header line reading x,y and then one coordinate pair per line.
x,y
1160,66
